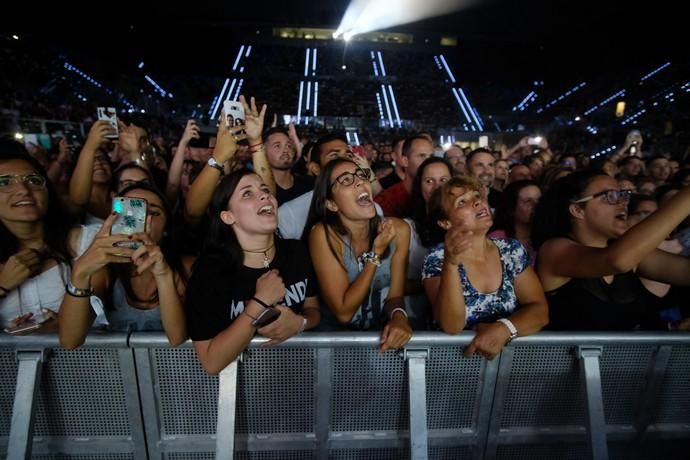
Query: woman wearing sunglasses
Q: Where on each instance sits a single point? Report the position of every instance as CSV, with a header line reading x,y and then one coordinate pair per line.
x,y
360,259
589,264
37,243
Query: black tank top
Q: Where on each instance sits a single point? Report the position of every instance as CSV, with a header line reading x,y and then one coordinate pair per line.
x,y
594,305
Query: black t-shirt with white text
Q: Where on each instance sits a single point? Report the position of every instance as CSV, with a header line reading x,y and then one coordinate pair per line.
x,y
216,297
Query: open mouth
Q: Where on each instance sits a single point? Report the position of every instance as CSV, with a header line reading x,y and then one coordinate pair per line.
x,y
266,210
364,199
24,204
483,213
622,216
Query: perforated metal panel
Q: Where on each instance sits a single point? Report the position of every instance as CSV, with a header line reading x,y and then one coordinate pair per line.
x,y
451,388
188,396
8,383
623,374
674,404
82,394
560,451
369,391
275,455
450,453
544,388
369,454
276,391
190,456
83,457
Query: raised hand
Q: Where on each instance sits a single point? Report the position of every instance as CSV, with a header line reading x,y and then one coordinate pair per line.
x,y
149,257
103,251
254,120
191,131
226,142
456,244
386,233
98,135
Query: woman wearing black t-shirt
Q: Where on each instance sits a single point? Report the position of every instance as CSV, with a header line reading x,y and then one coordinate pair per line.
x,y
246,275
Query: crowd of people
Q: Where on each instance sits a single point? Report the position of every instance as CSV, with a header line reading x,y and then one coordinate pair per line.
x,y
269,231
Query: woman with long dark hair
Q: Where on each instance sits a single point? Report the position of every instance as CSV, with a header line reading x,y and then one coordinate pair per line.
x,y
360,259
145,285
513,218
247,280
587,261
37,243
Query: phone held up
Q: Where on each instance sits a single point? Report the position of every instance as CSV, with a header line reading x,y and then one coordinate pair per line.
x,y
131,219
234,114
109,114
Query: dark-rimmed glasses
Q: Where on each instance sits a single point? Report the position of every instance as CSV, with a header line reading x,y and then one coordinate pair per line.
x,y
348,178
612,196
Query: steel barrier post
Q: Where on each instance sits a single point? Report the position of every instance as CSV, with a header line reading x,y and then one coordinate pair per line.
x,y
590,376
419,434
23,413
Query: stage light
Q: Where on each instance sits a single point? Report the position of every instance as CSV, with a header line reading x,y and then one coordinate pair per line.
x,y
344,67
18,136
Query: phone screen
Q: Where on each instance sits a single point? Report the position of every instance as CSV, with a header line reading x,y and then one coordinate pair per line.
x,y
234,113
109,114
131,218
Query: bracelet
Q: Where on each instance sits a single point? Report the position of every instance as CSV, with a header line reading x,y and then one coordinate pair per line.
x,y
261,302
74,291
255,145
511,327
252,317
304,325
372,257
400,309
256,149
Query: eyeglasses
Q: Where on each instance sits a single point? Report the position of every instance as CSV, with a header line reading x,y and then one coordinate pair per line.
x,y
129,182
348,178
612,196
34,181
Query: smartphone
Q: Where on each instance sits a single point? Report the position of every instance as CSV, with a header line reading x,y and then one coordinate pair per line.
x,y
483,141
109,114
131,219
234,113
534,140
266,317
25,327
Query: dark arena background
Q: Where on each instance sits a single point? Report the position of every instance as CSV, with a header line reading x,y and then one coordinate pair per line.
x,y
547,88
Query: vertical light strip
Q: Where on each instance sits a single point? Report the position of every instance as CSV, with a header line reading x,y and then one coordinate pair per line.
x,y
316,98
232,87
383,69
378,100
376,70
464,98
445,64
395,106
308,96
356,138
388,108
306,63
457,97
299,102
239,87
313,62
249,50
442,140
220,98
347,134
237,60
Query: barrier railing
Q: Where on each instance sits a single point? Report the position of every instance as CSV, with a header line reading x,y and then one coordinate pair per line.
x,y
319,396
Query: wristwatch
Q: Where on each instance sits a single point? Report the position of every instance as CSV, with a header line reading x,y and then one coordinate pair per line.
x,y
511,327
214,164
78,292
372,257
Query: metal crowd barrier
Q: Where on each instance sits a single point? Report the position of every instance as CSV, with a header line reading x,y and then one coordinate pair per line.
x,y
333,396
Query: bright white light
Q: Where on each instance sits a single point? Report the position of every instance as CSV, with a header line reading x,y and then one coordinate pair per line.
x,y
447,145
368,15
18,136
344,67
577,118
347,36
16,37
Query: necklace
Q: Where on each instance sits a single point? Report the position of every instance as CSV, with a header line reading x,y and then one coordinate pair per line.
x,y
264,251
